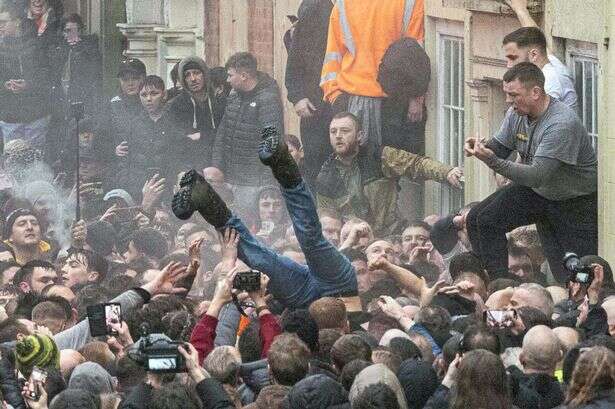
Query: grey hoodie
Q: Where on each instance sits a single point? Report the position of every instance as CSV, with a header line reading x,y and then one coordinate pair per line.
x,y
91,377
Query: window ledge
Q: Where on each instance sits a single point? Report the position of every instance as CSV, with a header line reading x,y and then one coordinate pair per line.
x,y
500,7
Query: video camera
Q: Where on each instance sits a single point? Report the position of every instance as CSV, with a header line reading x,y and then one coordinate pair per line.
x,y
157,353
579,272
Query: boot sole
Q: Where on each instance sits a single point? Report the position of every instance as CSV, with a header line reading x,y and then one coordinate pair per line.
x,y
182,204
267,154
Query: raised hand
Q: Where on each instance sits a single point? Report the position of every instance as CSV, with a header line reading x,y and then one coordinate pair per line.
x,y
454,177
152,191
378,264
229,241
121,150
165,280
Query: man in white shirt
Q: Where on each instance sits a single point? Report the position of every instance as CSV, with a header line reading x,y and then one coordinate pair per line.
x,y
528,44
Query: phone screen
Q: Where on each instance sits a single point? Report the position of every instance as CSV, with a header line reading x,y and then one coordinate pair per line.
x,y
112,316
37,375
162,363
101,315
499,318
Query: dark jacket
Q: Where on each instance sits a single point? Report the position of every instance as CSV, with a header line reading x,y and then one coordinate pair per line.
x,y
191,116
306,54
152,148
213,396
11,391
77,74
22,57
119,113
239,134
533,388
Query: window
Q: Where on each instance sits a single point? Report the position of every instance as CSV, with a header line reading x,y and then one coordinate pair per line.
x,y
451,114
585,73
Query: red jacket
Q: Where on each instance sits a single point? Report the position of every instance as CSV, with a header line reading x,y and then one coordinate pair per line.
x,y
204,334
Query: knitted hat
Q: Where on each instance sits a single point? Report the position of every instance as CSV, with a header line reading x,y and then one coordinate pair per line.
x,y
36,350
12,218
193,65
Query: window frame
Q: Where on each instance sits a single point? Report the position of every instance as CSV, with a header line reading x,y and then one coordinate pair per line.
x,y
448,198
586,53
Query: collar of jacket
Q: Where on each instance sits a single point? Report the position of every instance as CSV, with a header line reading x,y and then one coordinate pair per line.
x,y
43,246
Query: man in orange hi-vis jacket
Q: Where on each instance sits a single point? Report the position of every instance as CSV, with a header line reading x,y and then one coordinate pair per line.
x,y
360,32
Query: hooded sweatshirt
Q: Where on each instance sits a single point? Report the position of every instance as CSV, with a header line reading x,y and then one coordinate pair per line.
x,y
191,116
374,374
92,377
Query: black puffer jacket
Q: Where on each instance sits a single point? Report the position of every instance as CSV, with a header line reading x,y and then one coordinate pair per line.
x,y
239,134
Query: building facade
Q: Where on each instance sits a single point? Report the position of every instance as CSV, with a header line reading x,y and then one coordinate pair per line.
x,y
463,39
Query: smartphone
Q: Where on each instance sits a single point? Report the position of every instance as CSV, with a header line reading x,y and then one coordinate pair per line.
x,y
37,375
100,316
499,318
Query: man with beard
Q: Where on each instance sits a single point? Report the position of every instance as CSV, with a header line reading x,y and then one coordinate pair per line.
x,y
195,112
23,234
364,183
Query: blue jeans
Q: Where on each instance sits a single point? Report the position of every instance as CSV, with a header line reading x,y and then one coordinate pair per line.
x,y
327,273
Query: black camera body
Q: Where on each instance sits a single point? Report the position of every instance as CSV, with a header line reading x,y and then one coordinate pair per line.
x,y
158,353
579,272
247,281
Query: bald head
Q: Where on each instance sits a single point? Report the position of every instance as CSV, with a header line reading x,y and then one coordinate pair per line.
x,y
541,350
213,176
568,337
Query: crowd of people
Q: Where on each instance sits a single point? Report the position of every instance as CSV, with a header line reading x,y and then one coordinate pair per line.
x,y
229,264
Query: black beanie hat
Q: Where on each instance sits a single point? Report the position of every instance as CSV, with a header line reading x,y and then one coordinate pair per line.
x,y
192,65
12,217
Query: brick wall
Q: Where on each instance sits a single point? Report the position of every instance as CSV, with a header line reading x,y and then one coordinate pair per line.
x,y
260,33
212,32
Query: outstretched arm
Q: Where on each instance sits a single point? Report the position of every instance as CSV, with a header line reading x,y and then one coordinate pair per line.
x,y
520,9
397,163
